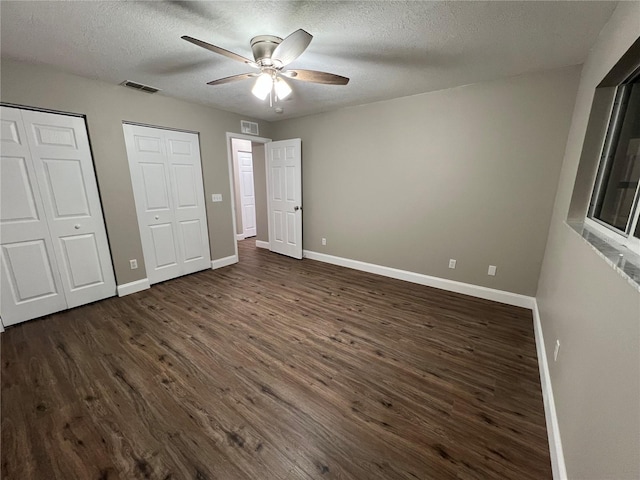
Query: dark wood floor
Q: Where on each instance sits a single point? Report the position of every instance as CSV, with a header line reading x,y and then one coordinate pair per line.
x,y
275,369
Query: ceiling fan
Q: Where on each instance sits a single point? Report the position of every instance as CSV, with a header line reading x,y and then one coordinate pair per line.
x,y
271,55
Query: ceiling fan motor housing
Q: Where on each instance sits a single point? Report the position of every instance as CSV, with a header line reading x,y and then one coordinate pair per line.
x,y
263,47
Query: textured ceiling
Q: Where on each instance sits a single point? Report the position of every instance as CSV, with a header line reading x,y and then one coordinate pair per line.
x,y
388,49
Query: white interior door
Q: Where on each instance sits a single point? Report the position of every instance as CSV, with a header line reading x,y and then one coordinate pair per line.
x,y
247,194
167,183
31,285
149,168
54,246
60,149
183,152
284,194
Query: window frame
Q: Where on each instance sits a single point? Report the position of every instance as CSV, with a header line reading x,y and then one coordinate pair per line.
x,y
625,238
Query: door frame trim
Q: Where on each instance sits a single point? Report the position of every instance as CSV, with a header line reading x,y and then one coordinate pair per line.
x,y
232,189
173,129
44,110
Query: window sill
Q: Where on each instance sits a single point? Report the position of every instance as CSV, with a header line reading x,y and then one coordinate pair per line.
x,y
623,260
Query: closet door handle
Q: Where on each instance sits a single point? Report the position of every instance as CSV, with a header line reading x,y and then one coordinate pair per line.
x,y
157,217
77,226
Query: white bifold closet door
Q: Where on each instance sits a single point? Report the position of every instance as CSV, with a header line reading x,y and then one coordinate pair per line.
x,y
54,252
166,174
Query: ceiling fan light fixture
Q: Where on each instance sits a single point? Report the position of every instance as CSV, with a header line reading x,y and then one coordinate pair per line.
x,y
282,89
263,86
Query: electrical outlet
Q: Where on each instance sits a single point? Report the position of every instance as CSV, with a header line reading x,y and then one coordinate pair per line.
x,y
216,197
133,264
324,241
492,270
452,263
556,350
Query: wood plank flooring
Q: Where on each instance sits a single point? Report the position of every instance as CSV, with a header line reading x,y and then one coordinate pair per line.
x,y
275,368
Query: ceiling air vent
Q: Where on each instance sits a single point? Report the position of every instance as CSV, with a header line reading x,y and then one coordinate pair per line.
x,y
248,127
140,86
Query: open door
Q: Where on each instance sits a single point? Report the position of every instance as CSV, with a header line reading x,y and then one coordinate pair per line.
x,y
247,194
284,194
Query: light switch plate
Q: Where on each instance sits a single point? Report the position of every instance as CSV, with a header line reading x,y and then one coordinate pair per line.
x,y
216,197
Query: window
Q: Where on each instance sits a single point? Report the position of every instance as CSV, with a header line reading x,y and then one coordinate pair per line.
x,y
615,200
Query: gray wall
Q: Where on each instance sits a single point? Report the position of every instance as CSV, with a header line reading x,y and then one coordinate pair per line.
x,y
593,311
468,173
260,186
106,106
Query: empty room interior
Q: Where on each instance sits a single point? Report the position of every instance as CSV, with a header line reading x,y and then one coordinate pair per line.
x,y
320,240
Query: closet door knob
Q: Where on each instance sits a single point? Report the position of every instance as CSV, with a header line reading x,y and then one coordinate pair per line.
x,y
157,217
77,226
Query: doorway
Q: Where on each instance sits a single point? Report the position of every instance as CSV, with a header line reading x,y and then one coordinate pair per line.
x,y
245,196
239,147
277,183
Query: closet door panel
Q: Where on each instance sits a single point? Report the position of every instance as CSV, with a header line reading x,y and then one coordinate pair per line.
x,y
150,176
30,283
156,187
186,189
82,259
62,158
166,174
183,152
66,188
21,260
164,245
18,203
192,240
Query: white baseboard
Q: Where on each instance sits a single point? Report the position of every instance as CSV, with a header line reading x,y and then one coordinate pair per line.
x,y
223,262
1,326
262,244
239,236
133,287
451,285
553,430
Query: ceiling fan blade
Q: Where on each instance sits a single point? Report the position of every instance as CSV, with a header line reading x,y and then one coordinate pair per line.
x,y
233,78
292,47
316,77
220,51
